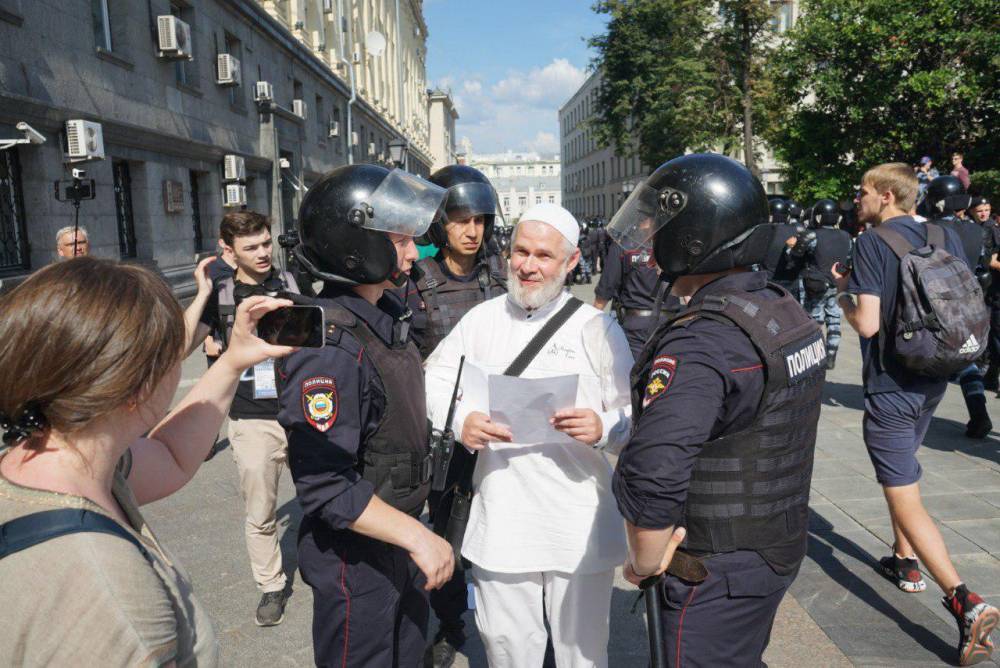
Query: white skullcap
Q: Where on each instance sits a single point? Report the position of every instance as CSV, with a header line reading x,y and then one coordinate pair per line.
x,y
557,217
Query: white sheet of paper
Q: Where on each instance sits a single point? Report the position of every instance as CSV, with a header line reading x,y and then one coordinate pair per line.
x,y
526,405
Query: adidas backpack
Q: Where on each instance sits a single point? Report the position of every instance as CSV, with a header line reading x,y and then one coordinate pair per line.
x,y
941,324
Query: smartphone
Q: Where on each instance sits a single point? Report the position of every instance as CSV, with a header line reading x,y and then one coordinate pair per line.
x,y
299,326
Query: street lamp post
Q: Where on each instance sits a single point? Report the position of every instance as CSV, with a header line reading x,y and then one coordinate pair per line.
x,y
398,148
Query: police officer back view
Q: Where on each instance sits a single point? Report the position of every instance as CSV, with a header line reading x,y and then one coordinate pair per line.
x,y
462,275
946,195
356,420
726,398
830,245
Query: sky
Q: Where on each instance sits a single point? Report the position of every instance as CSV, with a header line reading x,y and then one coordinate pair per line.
x,y
510,65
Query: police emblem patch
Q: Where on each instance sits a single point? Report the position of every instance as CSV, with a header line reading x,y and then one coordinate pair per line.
x,y
660,378
319,402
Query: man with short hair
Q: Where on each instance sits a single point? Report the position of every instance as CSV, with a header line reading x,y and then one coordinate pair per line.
x,y
926,172
959,170
899,404
260,447
543,531
72,241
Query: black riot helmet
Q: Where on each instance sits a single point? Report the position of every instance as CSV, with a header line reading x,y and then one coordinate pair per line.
x,y
703,212
345,217
825,213
794,211
938,191
470,194
779,210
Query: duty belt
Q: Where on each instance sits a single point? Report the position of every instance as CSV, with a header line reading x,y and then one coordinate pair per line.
x,y
642,312
687,567
412,474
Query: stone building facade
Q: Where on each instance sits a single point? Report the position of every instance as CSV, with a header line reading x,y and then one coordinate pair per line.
x,y
168,124
521,180
442,115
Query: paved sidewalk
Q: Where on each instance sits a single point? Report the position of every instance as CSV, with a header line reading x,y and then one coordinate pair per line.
x,y
840,611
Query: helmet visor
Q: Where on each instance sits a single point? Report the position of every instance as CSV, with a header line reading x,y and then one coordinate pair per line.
x,y
644,213
466,200
404,204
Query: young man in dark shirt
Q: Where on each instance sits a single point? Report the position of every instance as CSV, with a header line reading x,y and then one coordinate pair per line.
x,y
899,405
259,445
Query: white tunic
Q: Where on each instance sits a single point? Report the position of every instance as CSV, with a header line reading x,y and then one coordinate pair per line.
x,y
544,507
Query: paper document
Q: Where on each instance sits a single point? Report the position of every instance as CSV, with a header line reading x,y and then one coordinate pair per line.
x,y
526,405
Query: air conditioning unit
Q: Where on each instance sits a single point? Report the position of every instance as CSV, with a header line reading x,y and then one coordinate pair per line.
x,y
234,168
263,92
299,108
354,139
234,194
334,130
174,37
84,141
228,70
371,148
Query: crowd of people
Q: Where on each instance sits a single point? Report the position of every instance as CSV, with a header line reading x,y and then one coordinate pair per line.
x,y
704,382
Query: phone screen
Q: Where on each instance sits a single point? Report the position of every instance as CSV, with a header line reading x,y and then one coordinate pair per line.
x,y
299,326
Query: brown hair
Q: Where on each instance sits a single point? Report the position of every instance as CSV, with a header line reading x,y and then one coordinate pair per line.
x,y
242,224
897,178
81,338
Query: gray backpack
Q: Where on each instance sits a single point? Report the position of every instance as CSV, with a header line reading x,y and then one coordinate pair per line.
x,y
941,324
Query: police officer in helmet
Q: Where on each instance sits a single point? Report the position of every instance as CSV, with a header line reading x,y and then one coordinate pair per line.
x,y
354,411
779,211
463,273
946,196
737,374
828,246
448,285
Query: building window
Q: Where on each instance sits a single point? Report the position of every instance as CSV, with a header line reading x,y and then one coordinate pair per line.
x,y
199,241
506,203
13,231
235,49
296,92
184,71
123,209
522,202
552,199
102,24
321,120
538,199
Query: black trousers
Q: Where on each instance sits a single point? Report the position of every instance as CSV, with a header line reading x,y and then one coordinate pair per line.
x,y
994,344
369,603
725,620
637,330
451,601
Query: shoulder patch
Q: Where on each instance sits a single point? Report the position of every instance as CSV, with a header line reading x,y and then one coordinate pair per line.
x,y
660,378
320,402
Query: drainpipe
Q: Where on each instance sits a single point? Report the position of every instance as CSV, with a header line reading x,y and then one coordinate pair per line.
x,y
349,134
399,77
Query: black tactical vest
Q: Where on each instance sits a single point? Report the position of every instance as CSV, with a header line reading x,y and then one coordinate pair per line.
x,y
446,301
750,489
832,245
396,458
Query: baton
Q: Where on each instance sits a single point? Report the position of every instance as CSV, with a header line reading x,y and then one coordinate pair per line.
x,y
654,622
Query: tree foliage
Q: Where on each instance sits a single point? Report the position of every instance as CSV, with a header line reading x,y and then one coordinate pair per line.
x,y
677,74
861,82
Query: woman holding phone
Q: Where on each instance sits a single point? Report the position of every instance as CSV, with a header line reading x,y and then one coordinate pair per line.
x,y
90,359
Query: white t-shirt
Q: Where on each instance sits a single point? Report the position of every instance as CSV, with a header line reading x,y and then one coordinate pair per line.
x,y
544,507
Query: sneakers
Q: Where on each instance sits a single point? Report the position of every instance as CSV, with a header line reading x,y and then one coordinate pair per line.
x,y
904,572
271,609
442,653
976,619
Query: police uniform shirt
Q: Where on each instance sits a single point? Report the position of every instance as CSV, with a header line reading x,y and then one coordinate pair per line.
x,y
992,230
635,285
876,272
332,401
706,379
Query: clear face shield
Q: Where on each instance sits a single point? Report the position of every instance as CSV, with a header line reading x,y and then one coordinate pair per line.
x,y
466,200
402,204
644,213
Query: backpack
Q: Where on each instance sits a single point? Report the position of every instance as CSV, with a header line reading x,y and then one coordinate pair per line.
x,y
941,324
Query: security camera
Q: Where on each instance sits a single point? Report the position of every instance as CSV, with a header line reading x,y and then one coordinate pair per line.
x,y
79,174
31,134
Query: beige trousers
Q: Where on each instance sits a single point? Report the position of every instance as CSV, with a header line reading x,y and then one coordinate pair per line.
x,y
261,451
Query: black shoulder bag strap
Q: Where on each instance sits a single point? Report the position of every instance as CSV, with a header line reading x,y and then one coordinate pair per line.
x,y
31,530
462,501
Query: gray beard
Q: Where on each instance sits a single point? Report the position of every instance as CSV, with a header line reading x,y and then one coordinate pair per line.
x,y
539,297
